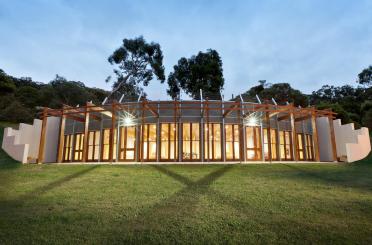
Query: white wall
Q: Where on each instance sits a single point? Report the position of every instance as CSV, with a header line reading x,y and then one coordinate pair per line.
x,y
23,144
51,139
352,145
324,139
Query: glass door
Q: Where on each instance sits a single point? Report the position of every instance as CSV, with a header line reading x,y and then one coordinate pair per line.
x,y
127,147
232,146
149,150
253,143
212,142
78,147
190,141
93,146
67,148
168,142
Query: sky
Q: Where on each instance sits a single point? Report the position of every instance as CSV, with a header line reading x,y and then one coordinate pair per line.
x,y
305,43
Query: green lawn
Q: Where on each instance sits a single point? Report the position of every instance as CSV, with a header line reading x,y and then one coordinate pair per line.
x,y
281,203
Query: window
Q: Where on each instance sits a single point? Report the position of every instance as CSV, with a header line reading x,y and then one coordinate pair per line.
x,y
149,142
168,141
309,147
253,143
93,145
190,141
232,146
266,143
274,145
105,154
127,147
67,149
300,147
285,145
78,147
212,141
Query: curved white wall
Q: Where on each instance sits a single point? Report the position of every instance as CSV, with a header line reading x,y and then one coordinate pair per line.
x,y
352,145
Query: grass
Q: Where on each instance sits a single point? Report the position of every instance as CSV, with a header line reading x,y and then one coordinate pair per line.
x,y
279,203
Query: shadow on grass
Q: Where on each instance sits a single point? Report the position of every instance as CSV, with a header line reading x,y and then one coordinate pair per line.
x,y
352,176
46,188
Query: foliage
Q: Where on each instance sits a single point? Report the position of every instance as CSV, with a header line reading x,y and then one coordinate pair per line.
x,y
365,77
21,97
281,92
137,62
203,71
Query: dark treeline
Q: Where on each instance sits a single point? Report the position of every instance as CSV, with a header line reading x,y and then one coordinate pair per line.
x,y
21,98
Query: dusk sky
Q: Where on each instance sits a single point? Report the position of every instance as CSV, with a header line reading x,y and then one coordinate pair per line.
x,y
305,43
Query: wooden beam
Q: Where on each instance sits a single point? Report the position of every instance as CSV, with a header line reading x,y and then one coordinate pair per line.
x,y
268,133
284,117
315,137
40,158
299,119
112,134
229,110
294,137
94,108
80,113
61,139
152,110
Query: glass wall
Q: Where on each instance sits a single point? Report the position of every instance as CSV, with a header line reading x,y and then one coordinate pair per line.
x,y
149,142
127,145
253,143
93,145
78,147
285,145
300,147
67,149
212,141
190,141
168,141
105,153
274,144
232,146
309,147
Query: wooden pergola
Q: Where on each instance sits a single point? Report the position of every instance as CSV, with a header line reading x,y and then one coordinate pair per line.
x,y
242,109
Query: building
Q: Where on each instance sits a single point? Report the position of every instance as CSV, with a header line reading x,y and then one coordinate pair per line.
x,y
186,131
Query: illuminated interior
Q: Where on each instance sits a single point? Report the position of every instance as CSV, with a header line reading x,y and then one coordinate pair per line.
x,y
274,145
309,147
168,141
300,147
285,145
79,146
253,143
149,142
67,150
106,145
232,146
212,141
127,147
93,145
190,141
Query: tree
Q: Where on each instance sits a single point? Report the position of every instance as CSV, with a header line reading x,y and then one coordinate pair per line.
x,y
365,77
137,62
281,92
203,71
6,84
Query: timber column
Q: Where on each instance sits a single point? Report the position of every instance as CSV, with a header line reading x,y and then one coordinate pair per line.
x,y
294,136
112,132
40,158
86,127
